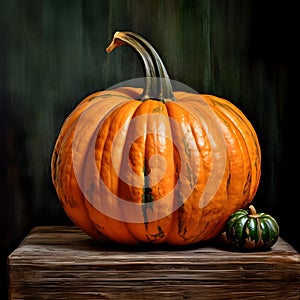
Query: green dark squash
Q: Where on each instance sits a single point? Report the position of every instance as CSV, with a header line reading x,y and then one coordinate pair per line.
x,y
249,230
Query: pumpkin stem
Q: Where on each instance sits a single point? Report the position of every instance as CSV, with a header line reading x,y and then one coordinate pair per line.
x,y
152,63
253,212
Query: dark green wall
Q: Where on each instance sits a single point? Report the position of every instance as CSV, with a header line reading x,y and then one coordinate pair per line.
x,y
52,55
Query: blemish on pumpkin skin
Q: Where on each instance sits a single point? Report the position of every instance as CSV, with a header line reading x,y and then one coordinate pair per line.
x,y
157,109
191,176
147,199
154,237
181,228
247,184
228,183
147,202
186,147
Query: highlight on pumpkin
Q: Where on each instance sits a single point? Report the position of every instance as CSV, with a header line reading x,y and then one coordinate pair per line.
x,y
154,162
132,140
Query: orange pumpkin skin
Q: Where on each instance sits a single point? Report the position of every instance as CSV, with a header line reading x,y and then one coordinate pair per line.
x,y
188,149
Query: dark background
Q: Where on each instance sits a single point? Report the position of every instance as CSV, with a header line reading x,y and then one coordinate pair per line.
x,y
52,55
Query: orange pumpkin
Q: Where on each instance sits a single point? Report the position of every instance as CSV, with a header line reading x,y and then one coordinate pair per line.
x,y
152,165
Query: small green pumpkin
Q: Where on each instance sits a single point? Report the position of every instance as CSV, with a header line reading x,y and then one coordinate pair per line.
x,y
249,230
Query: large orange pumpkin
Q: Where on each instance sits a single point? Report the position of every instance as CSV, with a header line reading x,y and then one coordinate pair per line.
x,y
152,165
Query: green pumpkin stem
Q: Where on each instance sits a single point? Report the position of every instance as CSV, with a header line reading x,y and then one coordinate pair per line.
x,y
152,63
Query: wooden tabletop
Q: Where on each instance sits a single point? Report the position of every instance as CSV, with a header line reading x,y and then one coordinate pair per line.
x,y
62,262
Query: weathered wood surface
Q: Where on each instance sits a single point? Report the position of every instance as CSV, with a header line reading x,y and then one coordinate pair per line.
x,y
61,262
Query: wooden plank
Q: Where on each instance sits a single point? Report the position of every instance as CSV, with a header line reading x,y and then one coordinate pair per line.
x,y
62,262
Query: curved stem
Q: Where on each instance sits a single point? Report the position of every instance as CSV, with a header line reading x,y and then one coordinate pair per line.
x,y
152,63
253,212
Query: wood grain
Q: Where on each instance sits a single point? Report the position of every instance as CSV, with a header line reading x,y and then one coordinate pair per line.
x,y
62,262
